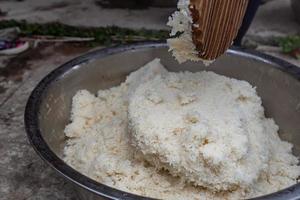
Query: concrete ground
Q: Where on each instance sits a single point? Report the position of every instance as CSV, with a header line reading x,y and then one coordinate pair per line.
x,y
23,175
274,18
78,13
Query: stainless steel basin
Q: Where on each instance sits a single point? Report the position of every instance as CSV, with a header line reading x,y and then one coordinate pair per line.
x,y
48,108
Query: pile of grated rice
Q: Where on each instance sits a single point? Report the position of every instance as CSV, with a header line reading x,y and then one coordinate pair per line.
x,y
99,146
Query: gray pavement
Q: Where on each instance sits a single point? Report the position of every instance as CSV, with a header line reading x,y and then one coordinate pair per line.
x,y
84,13
274,18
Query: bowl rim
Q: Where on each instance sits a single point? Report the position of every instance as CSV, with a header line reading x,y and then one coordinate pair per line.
x,y
31,119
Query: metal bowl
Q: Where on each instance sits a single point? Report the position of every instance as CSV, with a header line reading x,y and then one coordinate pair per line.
x,y
48,108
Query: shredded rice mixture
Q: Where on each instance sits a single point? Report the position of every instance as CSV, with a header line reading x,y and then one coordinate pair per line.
x,y
100,146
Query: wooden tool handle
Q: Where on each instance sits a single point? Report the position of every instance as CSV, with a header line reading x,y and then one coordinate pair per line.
x,y
215,25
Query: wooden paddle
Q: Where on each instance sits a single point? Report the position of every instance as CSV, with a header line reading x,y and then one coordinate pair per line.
x,y
216,24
